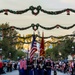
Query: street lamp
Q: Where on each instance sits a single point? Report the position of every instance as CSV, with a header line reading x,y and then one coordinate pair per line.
x,y
73,52
9,55
18,58
72,48
0,50
0,53
74,58
27,54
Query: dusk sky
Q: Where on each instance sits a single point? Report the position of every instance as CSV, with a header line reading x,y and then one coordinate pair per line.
x,y
43,19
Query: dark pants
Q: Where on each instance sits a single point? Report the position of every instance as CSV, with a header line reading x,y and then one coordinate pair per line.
x,y
22,72
35,71
41,72
49,72
55,72
0,71
30,72
9,69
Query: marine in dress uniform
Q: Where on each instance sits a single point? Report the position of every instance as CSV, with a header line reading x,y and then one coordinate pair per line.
x,y
35,67
30,67
40,67
48,67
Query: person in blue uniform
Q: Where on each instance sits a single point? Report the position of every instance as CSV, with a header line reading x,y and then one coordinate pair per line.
x,y
48,66
40,66
35,67
30,66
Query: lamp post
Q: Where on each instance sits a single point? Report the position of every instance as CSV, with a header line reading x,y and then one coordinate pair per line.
x,y
0,53
18,58
73,51
72,48
70,57
27,54
0,50
9,55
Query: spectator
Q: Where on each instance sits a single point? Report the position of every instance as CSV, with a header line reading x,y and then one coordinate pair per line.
x,y
1,66
23,66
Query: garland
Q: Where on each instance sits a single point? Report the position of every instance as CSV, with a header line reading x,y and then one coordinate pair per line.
x,y
57,37
37,42
56,26
36,26
36,11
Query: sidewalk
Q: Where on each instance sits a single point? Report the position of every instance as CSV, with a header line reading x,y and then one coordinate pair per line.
x,y
12,73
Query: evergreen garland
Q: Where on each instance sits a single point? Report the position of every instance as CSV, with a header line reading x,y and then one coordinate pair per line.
x,y
38,42
36,26
57,37
38,9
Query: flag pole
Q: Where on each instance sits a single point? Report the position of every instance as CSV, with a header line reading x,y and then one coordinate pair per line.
x,y
42,52
28,53
39,45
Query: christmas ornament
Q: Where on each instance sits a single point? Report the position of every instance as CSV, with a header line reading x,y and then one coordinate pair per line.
x,y
35,12
68,12
57,26
6,12
35,27
12,28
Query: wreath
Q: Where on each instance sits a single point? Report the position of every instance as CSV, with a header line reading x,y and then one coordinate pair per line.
x,y
35,10
35,27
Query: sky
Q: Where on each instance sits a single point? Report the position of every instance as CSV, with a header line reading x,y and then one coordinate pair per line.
x,y
43,19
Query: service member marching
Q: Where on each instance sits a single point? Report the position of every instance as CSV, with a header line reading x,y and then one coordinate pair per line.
x,y
35,67
40,66
30,67
48,66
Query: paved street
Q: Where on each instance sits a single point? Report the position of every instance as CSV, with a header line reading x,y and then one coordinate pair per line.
x,y
16,73
12,73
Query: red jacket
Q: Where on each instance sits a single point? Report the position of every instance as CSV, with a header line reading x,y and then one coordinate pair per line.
x,y
23,64
1,64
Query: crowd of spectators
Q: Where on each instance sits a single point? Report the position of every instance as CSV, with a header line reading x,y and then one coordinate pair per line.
x,y
7,66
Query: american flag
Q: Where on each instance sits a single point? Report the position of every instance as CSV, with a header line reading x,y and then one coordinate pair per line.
x,y
33,48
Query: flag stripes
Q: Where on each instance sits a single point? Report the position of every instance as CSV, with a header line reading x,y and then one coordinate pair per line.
x,y
33,48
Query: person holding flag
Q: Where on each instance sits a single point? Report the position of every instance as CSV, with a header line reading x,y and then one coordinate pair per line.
x,y
32,52
48,66
29,67
42,51
42,54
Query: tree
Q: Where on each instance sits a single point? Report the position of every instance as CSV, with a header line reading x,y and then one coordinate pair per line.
x,y
65,48
20,42
8,39
20,54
